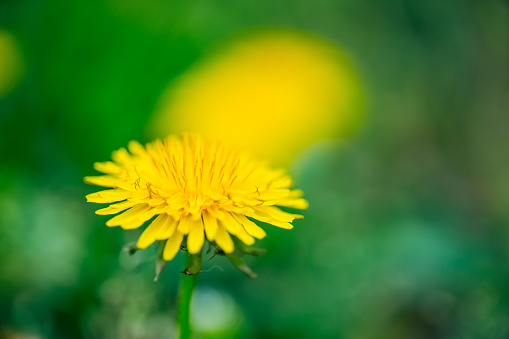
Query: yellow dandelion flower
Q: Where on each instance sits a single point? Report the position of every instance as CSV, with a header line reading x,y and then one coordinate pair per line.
x,y
196,189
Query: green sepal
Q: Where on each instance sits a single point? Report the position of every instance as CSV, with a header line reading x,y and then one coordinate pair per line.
x,y
195,264
160,262
130,248
244,249
237,261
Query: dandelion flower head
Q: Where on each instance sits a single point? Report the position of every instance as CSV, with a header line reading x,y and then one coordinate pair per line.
x,y
196,189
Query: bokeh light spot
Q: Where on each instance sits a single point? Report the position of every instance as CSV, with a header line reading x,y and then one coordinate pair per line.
x,y
214,311
11,64
272,93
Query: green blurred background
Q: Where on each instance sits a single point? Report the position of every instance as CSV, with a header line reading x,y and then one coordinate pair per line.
x,y
406,234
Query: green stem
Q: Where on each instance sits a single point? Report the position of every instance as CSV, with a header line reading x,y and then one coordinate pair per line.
x,y
187,284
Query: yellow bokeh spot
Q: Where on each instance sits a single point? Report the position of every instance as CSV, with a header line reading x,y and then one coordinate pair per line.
x,y
11,65
272,93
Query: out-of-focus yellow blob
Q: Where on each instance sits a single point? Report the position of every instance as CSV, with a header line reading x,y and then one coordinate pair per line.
x,y
271,93
11,64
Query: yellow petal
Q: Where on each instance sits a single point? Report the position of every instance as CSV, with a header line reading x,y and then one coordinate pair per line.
x,y
104,181
108,196
300,204
264,218
123,204
285,181
139,220
274,213
184,224
216,213
274,194
133,224
155,201
224,241
251,228
140,195
121,156
196,237
296,194
114,209
210,225
168,229
148,236
108,167
246,201
136,148
172,246
128,216
235,228
176,201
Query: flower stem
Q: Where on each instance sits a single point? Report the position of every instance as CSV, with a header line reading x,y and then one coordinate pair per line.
x,y
187,284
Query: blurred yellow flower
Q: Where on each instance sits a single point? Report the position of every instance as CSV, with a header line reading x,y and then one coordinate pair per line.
x,y
11,65
198,189
274,88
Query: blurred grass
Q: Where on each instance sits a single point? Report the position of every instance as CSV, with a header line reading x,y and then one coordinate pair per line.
x,y
407,228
